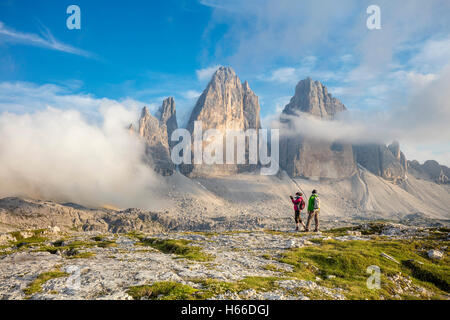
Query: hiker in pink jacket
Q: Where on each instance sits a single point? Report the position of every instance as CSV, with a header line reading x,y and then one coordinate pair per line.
x,y
299,205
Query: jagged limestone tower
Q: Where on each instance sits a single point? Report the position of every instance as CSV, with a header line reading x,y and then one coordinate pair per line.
x,y
156,132
167,116
225,104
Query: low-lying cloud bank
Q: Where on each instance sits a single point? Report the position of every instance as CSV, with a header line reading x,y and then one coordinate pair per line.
x,y
62,155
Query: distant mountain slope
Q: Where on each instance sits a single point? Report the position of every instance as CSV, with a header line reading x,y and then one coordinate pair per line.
x,y
246,201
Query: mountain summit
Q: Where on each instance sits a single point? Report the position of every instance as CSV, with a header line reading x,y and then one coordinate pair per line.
x,y
312,97
167,115
225,104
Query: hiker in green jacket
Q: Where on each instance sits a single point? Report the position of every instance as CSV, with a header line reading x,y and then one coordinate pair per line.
x,y
313,211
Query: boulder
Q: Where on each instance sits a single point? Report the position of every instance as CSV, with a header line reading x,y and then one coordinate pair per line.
x,y
435,254
5,238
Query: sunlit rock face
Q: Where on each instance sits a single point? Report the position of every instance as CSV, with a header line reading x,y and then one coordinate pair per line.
x,y
226,104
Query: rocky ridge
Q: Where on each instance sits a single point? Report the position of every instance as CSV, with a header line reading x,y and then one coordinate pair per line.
x,y
430,170
387,162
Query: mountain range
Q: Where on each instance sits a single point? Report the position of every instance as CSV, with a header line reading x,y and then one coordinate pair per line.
x,y
229,104
355,181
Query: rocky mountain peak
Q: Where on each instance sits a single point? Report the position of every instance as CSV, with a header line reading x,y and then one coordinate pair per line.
x,y
226,104
313,97
224,74
145,113
154,134
167,109
168,116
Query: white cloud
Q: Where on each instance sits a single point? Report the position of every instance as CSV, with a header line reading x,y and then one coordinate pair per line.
x,y
288,75
434,54
46,40
191,94
264,31
206,73
61,153
423,153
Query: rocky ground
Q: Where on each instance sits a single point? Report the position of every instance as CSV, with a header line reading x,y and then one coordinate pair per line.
x,y
262,264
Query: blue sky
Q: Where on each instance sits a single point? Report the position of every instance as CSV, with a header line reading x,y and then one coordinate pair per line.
x,y
139,52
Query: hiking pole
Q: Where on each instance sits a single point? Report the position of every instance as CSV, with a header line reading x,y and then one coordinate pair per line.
x,y
292,179
297,185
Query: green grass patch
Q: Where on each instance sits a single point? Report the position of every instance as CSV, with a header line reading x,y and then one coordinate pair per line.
x,y
70,250
35,239
339,231
181,248
170,290
166,290
36,285
435,274
213,287
272,267
102,242
82,255
348,261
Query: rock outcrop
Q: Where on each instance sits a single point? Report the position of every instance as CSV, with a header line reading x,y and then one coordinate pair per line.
x,y
312,97
430,170
387,162
308,157
156,131
225,104
157,150
167,115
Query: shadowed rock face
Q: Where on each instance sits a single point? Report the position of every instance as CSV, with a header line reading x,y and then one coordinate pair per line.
x,y
156,132
168,116
387,162
430,170
157,146
225,104
307,156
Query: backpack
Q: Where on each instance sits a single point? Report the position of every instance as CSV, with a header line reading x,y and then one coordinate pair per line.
x,y
302,205
316,203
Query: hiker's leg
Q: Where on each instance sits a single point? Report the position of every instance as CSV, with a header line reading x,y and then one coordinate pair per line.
x,y
316,220
308,222
301,221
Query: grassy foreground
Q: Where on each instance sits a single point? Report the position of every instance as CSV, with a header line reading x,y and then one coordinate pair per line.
x,y
331,264
347,262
